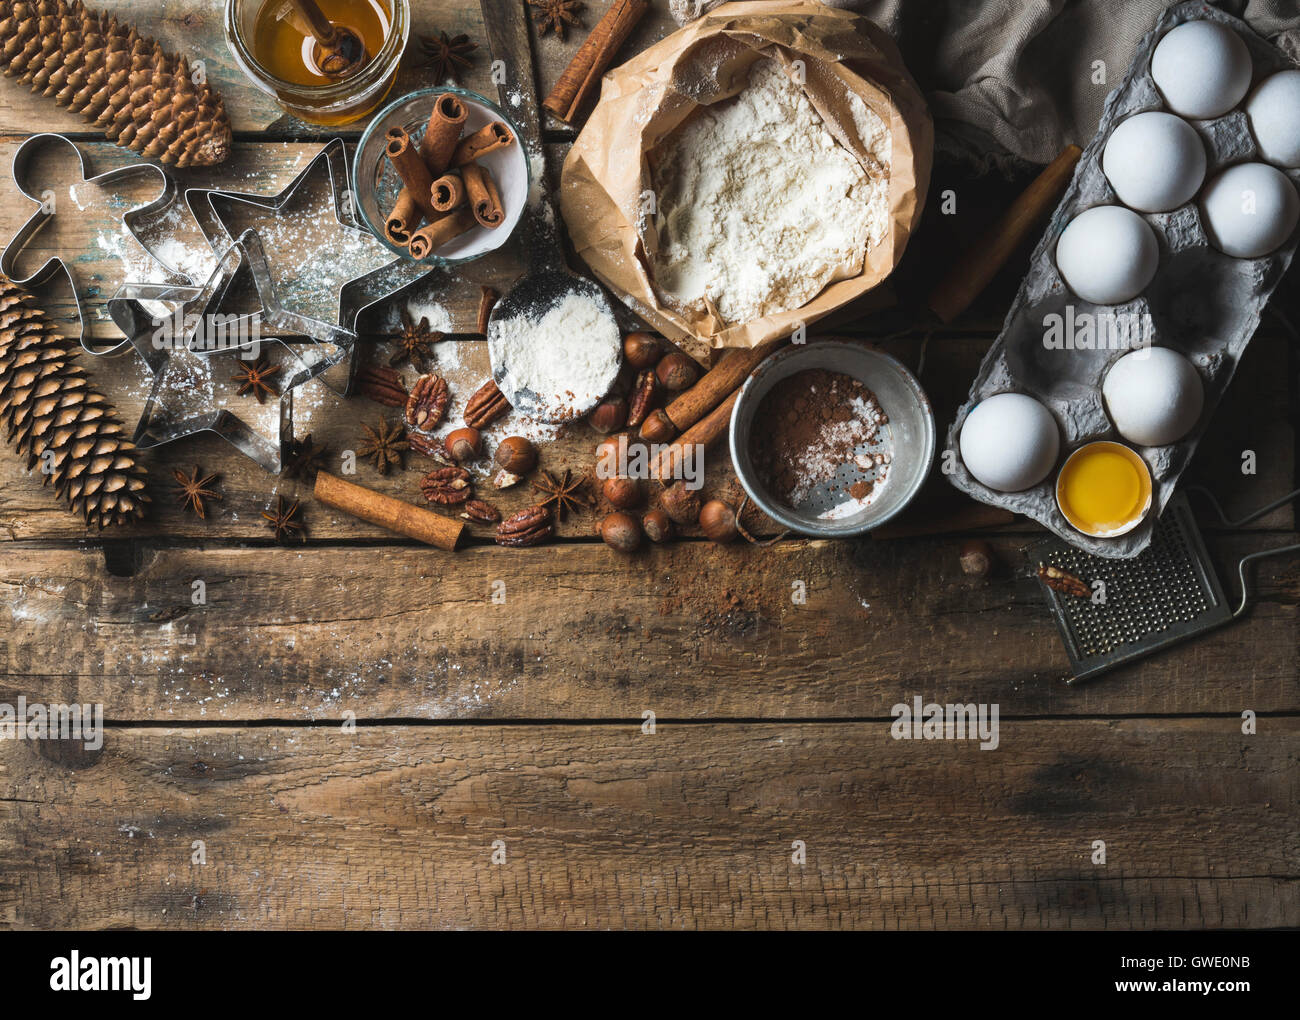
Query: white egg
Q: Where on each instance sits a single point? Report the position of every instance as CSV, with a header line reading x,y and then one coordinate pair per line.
x,y
1154,396
1107,255
1009,442
1202,69
1250,210
1274,112
1154,161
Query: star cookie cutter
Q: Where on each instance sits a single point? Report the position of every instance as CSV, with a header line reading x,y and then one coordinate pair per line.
x,y
46,211
198,309
358,294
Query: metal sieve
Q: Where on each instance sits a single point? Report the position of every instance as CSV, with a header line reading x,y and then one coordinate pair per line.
x,y
908,438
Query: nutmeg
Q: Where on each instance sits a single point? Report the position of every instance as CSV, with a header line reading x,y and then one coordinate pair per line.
x,y
718,520
464,445
642,350
621,531
658,428
609,416
657,525
680,503
976,558
677,371
622,492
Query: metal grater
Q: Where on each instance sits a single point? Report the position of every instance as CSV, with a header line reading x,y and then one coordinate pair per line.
x,y
1167,593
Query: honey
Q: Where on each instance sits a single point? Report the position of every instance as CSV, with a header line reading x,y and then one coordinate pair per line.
x,y
284,46
273,44
1104,489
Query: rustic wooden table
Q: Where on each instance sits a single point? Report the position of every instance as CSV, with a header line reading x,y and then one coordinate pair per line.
x,y
500,772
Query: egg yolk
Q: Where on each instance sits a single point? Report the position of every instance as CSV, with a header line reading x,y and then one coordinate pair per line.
x,y
1103,489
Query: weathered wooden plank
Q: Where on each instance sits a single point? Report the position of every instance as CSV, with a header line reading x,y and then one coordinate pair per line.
x,y
576,631
688,827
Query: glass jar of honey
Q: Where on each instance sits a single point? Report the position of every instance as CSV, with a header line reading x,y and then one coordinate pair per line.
x,y
273,45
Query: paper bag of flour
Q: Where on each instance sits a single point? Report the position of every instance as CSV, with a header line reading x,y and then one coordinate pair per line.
x,y
606,193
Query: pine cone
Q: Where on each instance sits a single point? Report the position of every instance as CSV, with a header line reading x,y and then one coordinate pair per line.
x,y
126,83
46,404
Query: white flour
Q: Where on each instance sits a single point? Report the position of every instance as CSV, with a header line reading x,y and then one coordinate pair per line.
x,y
760,208
569,357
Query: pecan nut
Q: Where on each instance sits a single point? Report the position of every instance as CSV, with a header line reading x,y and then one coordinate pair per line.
x,y
446,485
1063,581
382,385
485,406
528,527
643,398
428,446
427,404
478,510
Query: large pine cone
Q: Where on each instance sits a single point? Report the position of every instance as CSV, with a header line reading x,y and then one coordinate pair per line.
x,y
47,404
142,96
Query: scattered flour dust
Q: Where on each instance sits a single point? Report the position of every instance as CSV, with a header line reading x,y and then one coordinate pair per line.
x,y
568,358
760,208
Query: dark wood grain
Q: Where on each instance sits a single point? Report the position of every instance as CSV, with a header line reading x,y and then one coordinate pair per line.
x,y
688,827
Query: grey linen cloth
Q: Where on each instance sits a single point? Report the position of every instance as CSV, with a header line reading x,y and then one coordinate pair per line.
x,y
1019,78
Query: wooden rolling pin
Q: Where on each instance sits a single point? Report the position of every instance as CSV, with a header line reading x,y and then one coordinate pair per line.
x,y
393,514
971,273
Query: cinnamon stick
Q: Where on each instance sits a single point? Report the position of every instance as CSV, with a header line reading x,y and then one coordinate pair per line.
x,y
484,198
404,220
447,192
593,57
488,138
387,512
705,432
694,403
432,236
487,299
442,134
412,169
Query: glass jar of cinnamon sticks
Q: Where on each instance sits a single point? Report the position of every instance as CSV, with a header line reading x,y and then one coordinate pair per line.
x,y
327,62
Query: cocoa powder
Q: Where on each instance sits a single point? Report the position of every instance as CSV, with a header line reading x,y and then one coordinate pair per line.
x,y
808,427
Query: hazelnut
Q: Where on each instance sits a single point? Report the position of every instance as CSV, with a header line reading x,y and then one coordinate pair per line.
x,y
976,558
718,520
680,503
609,416
516,455
464,445
658,428
642,350
658,526
622,492
621,531
677,371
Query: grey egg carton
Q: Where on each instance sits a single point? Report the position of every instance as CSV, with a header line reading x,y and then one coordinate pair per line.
x,y
1202,303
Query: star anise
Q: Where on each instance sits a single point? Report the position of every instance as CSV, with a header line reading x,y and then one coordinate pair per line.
x,y
446,56
283,521
555,14
192,491
416,342
304,458
384,444
564,495
255,379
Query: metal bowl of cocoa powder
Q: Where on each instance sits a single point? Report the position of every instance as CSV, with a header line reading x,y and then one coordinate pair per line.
x,y
831,438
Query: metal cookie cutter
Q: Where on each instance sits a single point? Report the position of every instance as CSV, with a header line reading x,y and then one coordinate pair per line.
x,y
196,309
358,294
44,213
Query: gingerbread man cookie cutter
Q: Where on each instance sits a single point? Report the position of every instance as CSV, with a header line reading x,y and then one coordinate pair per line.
x,y
46,211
